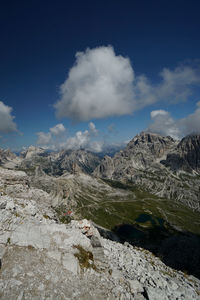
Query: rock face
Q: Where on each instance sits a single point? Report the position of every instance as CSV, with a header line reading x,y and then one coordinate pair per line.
x,y
186,156
156,164
159,165
32,151
57,163
141,153
83,160
8,159
41,258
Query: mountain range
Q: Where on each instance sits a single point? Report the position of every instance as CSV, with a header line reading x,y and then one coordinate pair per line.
x,y
128,224
157,164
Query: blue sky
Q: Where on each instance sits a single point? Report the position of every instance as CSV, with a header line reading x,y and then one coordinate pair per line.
x,y
134,42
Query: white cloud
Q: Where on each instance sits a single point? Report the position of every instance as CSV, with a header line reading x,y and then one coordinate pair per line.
x,y
57,129
56,139
44,138
47,138
164,124
80,140
103,84
191,124
92,128
159,112
90,139
6,119
176,85
85,140
98,85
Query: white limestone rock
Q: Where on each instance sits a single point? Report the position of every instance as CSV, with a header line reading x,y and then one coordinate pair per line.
x,y
70,262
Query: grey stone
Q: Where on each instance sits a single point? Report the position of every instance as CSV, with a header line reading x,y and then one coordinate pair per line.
x,y
135,286
3,205
70,262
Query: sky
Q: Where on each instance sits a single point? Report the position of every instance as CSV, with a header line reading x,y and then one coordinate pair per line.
x,y
93,74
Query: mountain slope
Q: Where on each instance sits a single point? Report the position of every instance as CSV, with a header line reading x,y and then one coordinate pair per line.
x,y
8,159
57,163
186,156
160,165
141,153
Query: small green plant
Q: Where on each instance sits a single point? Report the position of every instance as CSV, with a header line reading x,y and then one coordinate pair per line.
x,y
8,240
30,247
110,271
17,214
46,217
85,258
168,273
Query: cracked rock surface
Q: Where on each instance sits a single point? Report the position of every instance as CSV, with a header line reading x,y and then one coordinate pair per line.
x,y
43,259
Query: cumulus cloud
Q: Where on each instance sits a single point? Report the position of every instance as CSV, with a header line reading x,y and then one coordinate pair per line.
x,y
6,119
84,140
103,84
98,85
93,129
57,130
44,138
164,124
191,124
47,138
177,85
56,138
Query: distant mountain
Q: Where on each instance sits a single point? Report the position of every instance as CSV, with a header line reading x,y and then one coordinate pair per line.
x,y
186,156
8,159
32,151
6,155
78,160
142,152
57,163
160,165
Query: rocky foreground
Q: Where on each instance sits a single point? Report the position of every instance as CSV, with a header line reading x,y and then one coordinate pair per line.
x,y
43,259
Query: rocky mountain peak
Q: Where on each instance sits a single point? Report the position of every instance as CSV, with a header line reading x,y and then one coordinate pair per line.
x,y
141,152
8,158
186,157
146,148
31,151
6,155
81,160
149,138
190,142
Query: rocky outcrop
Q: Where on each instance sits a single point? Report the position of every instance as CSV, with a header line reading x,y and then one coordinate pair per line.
x,y
57,163
156,164
32,151
141,153
44,259
85,161
186,156
159,165
8,159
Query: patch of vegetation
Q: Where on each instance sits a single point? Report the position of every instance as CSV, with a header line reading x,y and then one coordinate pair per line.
x,y
17,214
168,273
8,241
28,171
30,247
46,217
139,193
109,209
62,214
84,257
